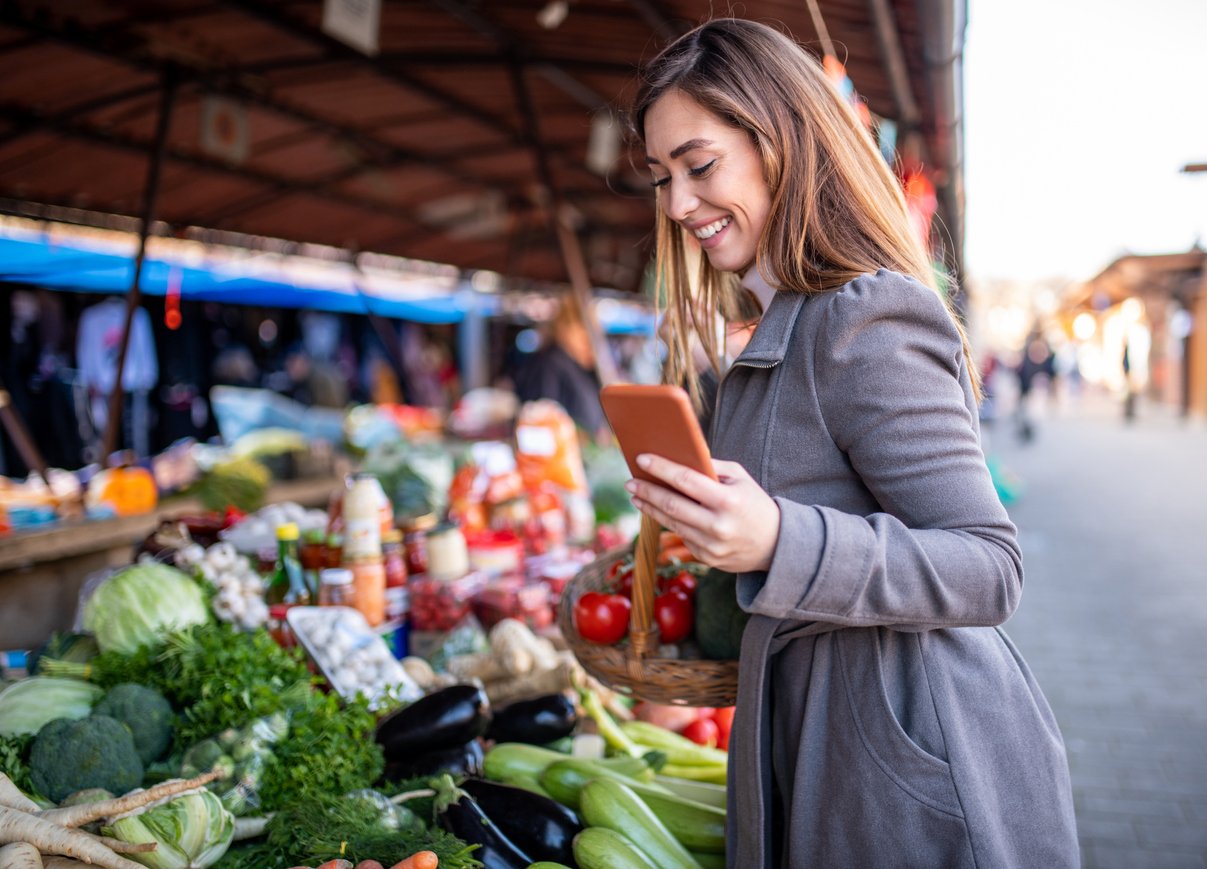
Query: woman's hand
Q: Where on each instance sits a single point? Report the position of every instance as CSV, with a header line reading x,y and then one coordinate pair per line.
x,y
730,523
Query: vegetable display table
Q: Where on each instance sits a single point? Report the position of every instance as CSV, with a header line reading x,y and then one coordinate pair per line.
x,y
41,572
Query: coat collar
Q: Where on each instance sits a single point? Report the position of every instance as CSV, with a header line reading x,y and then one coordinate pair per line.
x,y
769,343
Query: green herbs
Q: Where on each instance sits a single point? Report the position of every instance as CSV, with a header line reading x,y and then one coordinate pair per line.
x,y
14,759
330,750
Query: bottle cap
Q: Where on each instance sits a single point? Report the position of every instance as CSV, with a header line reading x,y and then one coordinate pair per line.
x,y
335,576
288,531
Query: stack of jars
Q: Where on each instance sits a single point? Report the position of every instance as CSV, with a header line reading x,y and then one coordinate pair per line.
x,y
361,546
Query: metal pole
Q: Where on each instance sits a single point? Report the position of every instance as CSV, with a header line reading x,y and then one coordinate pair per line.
x,y
134,296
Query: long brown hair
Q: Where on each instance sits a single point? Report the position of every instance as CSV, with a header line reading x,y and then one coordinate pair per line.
x,y
837,210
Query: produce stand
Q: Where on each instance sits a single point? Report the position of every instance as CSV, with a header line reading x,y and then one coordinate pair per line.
x,y
41,572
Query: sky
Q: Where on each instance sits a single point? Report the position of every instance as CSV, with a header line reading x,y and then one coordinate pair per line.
x,y
1079,115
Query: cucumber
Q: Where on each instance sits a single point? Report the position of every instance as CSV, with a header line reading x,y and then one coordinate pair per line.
x,y
698,791
717,775
601,848
612,804
565,779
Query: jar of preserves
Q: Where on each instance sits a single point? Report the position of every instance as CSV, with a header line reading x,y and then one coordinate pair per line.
x,y
447,553
393,555
369,580
414,541
336,587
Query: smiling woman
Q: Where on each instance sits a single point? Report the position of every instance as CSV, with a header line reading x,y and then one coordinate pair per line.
x,y
882,718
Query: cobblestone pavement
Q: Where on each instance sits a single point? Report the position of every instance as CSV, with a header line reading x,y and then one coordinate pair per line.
x,y
1113,619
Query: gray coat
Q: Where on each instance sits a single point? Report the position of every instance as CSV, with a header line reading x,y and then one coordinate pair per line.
x,y
883,720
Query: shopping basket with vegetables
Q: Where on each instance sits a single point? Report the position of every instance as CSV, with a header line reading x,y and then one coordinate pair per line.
x,y
634,666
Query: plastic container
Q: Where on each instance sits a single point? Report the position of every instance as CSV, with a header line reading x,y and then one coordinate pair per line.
x,y
495,553
352,656
438,604
447,553
514,598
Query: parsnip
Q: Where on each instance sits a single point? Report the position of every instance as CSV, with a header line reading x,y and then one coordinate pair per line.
x,y
20,855
51,838
86,813
14,798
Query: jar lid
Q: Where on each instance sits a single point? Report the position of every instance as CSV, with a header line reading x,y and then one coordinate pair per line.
x,y
287,531
335,576
278,611
392,536
419,523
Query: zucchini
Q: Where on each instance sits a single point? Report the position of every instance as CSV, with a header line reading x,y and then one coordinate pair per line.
x,y
565,779
697,791
601,848
612,804
717,775
707,861
509,760
679,750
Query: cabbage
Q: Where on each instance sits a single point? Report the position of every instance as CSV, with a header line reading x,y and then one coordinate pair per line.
x,y
191,831
140,605
26,705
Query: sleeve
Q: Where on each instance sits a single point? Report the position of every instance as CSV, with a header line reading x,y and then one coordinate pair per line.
x,y
943,552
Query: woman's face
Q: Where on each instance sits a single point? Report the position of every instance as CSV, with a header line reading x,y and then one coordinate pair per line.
x,y
710,179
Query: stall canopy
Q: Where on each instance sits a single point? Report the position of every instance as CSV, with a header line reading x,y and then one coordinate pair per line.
x,y
450,133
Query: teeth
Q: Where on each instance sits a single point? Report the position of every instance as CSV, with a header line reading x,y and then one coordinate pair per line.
x,y
712,229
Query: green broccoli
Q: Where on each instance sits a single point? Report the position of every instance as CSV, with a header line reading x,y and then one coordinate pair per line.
x,y
94,752
146,712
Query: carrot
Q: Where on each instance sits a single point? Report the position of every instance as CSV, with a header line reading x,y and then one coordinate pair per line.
x,y
369,864
20,855
50,838
86,813
419,860
337,863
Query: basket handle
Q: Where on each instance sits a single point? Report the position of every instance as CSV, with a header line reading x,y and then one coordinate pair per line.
x,y
643,635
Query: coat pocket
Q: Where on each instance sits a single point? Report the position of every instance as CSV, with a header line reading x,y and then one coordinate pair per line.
x,y
922,775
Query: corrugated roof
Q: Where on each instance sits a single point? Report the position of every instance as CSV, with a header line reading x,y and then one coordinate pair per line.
x,y
422,151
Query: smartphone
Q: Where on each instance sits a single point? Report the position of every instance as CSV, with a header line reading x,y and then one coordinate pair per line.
x,y
658,420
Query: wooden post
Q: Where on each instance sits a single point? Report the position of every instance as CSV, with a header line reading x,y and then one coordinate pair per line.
x,y
572,254
134,296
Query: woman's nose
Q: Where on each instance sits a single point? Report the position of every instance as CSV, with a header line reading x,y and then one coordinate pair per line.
x,y
679,200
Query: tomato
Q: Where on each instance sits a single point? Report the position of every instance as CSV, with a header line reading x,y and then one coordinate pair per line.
x,y
682,580
602,618
675,614
703,731
620,578
724,719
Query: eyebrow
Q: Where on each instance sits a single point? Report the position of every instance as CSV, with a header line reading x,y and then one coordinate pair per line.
x,y
689,145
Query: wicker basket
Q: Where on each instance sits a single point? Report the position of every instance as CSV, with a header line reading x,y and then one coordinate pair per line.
x,y
631,668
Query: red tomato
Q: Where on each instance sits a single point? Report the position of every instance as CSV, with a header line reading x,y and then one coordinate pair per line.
x,y
683,580
675,615
620,578
702,731
602,618
724,719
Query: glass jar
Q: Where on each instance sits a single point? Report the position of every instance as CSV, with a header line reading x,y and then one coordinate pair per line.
x,y
393,555
447,554
414,541
333,551
336,587
369,578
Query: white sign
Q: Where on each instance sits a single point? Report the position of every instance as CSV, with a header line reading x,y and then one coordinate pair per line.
x,y
224,132
353,22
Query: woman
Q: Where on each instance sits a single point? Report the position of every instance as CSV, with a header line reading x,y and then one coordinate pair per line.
x,y
882,718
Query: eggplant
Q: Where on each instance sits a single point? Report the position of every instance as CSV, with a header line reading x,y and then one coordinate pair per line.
x,y
447,718
538,721
461,760
459,813
539,826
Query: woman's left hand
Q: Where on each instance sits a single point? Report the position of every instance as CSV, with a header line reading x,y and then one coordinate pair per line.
x,y
729,523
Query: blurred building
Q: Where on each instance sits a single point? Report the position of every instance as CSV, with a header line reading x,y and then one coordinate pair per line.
x,y
1142,325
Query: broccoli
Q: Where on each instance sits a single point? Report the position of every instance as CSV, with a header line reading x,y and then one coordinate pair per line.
x,y
146,712
94,752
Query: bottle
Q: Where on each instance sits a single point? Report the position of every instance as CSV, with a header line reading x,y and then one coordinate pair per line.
x,y
362,517
287,584
336,587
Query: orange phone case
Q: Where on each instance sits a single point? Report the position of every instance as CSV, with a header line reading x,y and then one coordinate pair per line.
x,y
658,420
